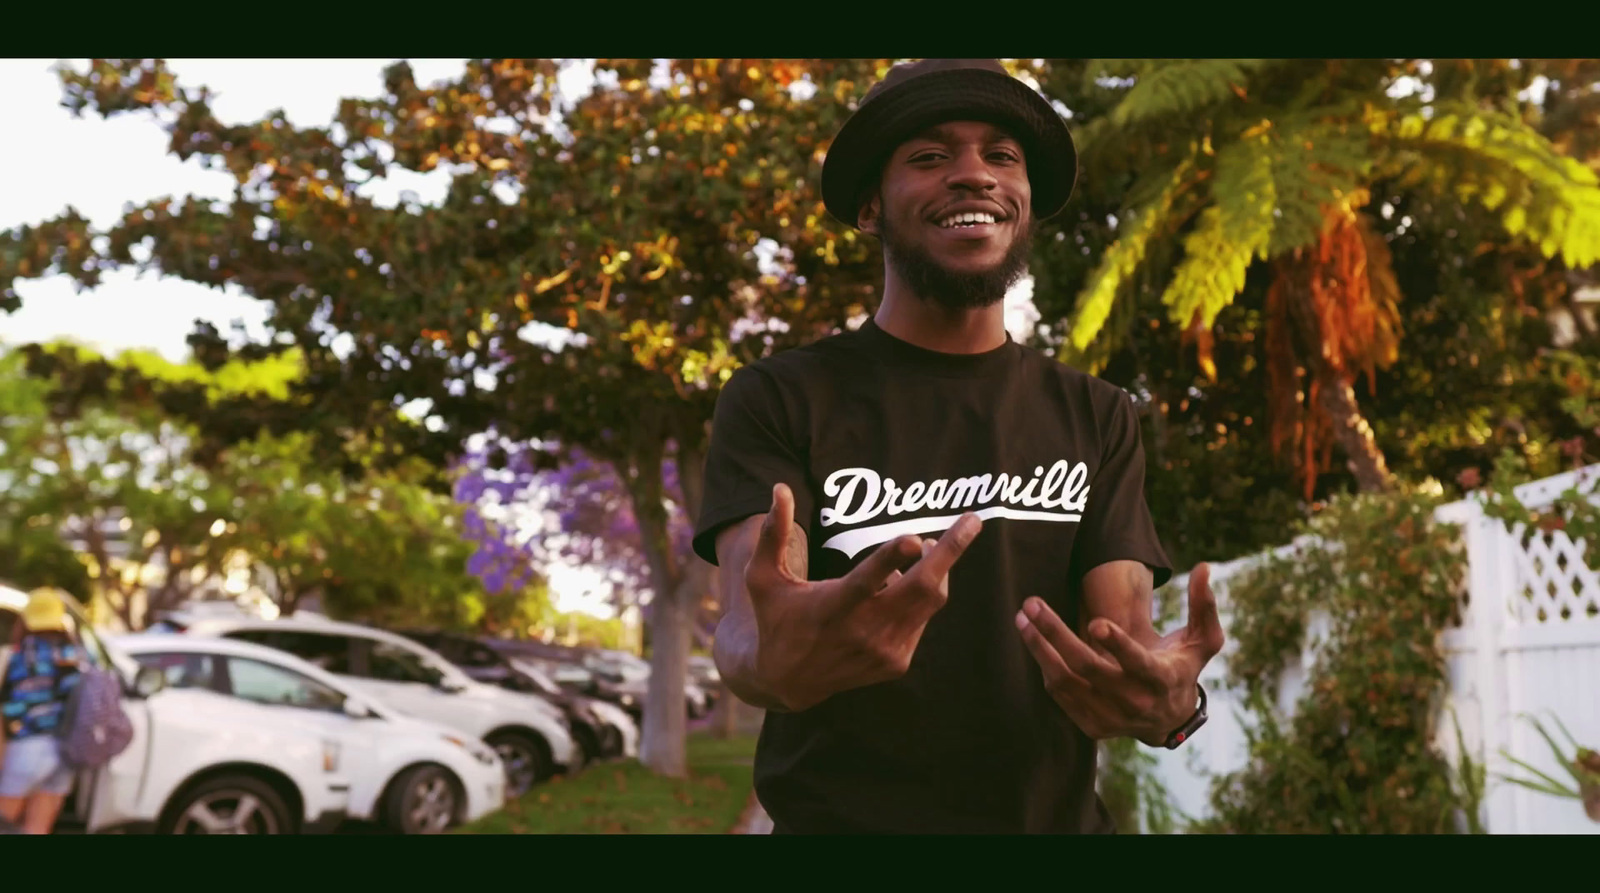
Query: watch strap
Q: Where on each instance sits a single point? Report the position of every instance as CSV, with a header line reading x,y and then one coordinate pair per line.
x,y
1185,731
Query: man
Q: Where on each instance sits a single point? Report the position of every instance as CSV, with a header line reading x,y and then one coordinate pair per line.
x,y
956,684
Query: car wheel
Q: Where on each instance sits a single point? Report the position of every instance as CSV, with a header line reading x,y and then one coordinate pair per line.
x,y
523,758
586,748
610,742
422,800
235,804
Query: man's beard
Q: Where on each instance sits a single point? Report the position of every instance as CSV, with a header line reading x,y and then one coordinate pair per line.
x,y
932,281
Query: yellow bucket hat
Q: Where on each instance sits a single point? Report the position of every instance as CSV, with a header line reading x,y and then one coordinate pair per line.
x,y
45,611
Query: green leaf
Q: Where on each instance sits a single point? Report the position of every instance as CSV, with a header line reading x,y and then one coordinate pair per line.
x,y
1180,86
1213,268
1507,166
1122,260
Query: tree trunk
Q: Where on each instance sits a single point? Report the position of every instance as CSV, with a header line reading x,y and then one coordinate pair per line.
x,y
1353,435
663,739
110,582
1336,397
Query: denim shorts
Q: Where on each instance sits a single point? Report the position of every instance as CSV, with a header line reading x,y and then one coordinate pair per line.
x,y
33,766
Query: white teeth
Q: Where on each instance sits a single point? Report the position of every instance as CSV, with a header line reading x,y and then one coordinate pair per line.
x,y
968,218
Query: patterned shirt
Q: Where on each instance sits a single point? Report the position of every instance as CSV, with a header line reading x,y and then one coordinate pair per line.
x,y
38,678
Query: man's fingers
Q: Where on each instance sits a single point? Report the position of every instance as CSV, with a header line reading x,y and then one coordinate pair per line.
x,y
767,564
937,561
1133,657
944,580
1079,657
1058,677
1204,626
876,570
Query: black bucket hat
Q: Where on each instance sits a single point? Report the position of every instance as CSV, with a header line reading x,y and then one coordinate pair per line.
x,y
916,95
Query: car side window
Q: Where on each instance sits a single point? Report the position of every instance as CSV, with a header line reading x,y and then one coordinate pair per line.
x,y
330,652
183,669
388,662
264,683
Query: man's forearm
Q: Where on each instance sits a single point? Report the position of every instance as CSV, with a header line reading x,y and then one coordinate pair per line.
x,y
734,650
737,643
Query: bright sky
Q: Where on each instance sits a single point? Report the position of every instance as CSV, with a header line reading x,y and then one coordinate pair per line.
x,y
97,166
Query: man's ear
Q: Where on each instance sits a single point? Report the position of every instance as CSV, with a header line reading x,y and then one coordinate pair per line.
x,y
867,215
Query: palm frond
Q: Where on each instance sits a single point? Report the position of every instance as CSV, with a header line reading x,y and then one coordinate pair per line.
x,y
1473,154
1317,165
1228,236
1246,190
1122,260
1182,85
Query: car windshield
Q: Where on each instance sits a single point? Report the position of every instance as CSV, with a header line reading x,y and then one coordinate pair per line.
x,y
392,663
537,677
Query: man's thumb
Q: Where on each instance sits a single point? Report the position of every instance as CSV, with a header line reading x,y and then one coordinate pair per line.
x,y
773,541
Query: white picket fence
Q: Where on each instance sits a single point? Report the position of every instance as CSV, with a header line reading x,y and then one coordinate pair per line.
x,y
1528,643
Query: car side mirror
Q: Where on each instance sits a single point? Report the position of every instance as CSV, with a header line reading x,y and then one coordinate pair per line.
x,y
356,710
148,680
451,685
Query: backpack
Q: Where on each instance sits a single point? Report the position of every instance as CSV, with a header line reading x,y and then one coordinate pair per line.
x,y
93,727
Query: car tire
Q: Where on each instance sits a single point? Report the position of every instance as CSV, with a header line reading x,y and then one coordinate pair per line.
x,y
229,804
422,800
585,748
525,760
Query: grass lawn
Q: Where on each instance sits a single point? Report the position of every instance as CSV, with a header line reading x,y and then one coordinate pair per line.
x,y
625,798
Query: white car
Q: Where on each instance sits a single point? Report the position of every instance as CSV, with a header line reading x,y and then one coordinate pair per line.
x,y
198,762
412,776
629,677
612,715
531,735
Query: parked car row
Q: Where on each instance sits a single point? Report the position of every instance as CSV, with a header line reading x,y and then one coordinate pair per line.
x,y
247,726
235,738
617,677
532,736
600,728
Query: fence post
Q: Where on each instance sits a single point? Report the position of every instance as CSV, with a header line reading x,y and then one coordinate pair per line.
x,y
1485,564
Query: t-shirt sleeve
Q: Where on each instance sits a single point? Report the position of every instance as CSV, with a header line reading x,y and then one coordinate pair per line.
x,y
1116,523
752,449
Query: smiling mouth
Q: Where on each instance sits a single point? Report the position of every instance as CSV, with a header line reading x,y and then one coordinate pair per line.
x,y
969,219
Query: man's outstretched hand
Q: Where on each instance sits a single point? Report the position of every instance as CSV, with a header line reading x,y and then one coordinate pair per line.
x,y
1128,691
819,638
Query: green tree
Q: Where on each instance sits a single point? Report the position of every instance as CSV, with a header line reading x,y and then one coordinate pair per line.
x,y
110,480
1225,167
383,548
31,554
631,222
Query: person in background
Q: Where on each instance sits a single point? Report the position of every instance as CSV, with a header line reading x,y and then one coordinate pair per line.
x,y
44,665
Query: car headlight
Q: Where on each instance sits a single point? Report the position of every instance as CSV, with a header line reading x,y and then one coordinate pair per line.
x,y
479,751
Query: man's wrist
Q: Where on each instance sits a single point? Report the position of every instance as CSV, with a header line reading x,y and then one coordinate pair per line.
x,y
1173,717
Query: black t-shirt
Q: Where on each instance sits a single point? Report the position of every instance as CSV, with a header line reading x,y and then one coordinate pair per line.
x,y
878,438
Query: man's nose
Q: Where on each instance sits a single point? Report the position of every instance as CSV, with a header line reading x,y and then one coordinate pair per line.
x,y
971,171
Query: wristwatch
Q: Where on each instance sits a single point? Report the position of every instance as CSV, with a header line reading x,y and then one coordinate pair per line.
x,y
1188,728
